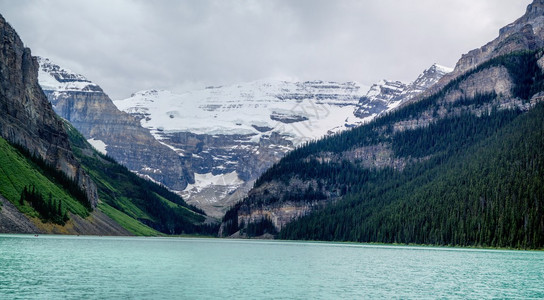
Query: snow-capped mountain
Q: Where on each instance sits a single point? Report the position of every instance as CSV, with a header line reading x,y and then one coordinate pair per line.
x,y
300,110
211,144
387,95
57,80
230,135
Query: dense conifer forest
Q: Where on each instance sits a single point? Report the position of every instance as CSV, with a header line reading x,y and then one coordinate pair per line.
x,y
474,177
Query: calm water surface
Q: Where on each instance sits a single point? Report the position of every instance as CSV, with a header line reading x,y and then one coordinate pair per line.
x,y
71,267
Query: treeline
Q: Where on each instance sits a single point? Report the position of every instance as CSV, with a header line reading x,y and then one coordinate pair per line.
x,y
522,67
50,210
258,228
251,229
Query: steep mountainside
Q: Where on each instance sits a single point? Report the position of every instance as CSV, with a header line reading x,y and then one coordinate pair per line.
x,y
230,135
34,199
526,33
39,173
26,117
139,205
462,166
91,111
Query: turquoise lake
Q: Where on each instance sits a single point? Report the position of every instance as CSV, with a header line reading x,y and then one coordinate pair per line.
x,y
84,267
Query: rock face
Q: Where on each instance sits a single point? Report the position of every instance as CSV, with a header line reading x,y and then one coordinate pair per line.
x,y
228,136
26,117
526,33
12,220
108,129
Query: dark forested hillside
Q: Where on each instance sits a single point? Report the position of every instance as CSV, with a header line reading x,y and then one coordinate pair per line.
x,y
461,167
488,194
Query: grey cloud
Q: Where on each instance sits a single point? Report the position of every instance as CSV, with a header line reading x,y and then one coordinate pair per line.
x,y
130,45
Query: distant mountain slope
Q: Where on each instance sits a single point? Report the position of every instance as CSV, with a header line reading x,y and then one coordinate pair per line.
x,y
141,206
114,132
230,135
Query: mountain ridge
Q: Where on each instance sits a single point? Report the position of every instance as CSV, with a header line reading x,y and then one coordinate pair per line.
x,y
110,130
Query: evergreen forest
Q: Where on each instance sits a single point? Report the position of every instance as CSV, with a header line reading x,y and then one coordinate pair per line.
x,y
472,176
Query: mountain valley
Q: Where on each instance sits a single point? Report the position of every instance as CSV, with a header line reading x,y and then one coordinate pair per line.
x,y
453,158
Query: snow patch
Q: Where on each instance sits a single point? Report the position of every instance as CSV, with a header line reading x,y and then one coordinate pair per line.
x,y
99,145
208,179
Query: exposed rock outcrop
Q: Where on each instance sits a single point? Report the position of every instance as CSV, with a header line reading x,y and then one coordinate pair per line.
x,y
26,117
12,220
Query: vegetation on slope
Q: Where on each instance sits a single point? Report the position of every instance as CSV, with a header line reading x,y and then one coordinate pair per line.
x,y
470,178
32,189
489,194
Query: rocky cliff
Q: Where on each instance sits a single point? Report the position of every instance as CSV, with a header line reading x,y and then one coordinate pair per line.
x,y
115,133
26,117
526,33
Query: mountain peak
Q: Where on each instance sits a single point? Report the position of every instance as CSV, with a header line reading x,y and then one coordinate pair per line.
x,y
536,8
439,68
54,78
387,94
526,33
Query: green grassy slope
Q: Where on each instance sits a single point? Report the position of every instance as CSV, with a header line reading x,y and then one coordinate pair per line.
x,y
18,171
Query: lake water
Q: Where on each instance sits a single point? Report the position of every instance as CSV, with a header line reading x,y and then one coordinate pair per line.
x,y
72,267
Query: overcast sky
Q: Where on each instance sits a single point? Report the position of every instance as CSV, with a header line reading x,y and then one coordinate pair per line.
x,y
131,45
